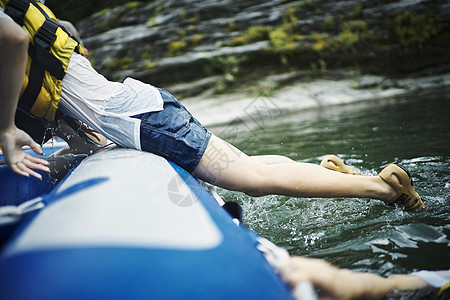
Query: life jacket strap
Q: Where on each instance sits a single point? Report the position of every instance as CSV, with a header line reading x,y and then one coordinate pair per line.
x,y
16,9
46,34
42,60
43,40
47,56
31,92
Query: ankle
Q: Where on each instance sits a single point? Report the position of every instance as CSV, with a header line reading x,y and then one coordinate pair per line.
x,y
385,192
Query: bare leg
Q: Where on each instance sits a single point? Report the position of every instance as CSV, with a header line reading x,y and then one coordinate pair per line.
x,y
272,159
225,166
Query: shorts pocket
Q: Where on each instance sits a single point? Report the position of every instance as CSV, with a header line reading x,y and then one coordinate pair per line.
x,y
171,121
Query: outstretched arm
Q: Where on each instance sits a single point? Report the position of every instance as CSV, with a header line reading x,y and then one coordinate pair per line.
x,y
335,283
13,58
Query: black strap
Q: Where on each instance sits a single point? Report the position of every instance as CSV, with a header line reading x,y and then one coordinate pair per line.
x,y
35,80
43,40
41,60
16,9
62,27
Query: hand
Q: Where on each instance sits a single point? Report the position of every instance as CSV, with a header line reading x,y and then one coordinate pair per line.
x,y
332,282
85,52
335,283
12,141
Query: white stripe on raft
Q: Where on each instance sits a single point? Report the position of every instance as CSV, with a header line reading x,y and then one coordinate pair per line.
x,y
136,206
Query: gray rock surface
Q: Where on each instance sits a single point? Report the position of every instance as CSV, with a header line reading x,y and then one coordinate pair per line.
x,y
222,55
172,41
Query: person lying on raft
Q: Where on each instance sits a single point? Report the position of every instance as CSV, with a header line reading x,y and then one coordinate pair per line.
x,y
139,116
335,283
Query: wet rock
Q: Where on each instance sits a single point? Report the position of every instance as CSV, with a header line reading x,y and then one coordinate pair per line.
x,y
368,82
176,41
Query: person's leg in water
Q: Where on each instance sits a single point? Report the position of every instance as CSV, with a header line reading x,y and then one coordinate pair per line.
x,y
264,175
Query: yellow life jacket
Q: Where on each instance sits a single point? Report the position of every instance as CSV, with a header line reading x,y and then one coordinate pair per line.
x,y
49,52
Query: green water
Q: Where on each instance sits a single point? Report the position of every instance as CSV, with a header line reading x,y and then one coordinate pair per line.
x,y
359,234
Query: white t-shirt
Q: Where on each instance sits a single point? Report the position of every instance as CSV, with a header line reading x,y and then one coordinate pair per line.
x,y
104,105
107,106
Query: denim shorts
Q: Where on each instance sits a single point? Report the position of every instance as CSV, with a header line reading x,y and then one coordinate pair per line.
x,y
174,133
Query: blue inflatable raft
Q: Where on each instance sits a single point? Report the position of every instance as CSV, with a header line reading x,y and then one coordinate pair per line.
x,y
126,224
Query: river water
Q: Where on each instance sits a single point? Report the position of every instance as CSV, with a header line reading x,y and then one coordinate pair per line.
x,y
360,234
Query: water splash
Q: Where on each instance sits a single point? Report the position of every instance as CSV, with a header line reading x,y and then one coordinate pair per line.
x,y
362,234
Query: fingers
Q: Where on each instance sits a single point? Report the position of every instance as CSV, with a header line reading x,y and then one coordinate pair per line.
x,y
35,147
18,170
19,161
293,276
302,269
26,166
31,163
25,139
85,52
36,163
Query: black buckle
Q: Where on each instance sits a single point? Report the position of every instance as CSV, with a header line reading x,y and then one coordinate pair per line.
x,y
19,5
46,34
16,9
